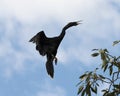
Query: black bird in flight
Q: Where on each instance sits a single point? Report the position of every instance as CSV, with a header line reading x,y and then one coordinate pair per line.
x,y
48,46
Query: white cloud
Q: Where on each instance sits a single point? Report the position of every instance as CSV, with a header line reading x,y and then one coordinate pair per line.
x,y
50,90
28,11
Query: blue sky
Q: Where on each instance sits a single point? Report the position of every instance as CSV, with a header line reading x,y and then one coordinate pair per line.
x,y
22,69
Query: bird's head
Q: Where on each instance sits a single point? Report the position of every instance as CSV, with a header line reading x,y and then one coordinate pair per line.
x,y
79,22
70,24
74,23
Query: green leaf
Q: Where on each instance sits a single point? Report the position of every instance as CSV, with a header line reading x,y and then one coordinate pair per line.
x,y
104,65
111,69
96,69
94,54
94,89
79,83
105,92
105,50
80,89
117,86
116,42
102,77
90,73
95,76
88,92
103,55
97,84
88,76
95,49
83,92
82,77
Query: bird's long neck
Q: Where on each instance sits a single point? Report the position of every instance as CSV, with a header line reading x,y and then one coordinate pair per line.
x,y
63,32
65,28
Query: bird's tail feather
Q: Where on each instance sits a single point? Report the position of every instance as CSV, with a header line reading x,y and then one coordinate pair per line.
x,y
50,68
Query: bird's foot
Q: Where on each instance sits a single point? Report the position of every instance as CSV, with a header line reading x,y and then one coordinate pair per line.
x,y
55,58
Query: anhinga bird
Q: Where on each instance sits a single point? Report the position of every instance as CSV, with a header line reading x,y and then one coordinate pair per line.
x,y
48,46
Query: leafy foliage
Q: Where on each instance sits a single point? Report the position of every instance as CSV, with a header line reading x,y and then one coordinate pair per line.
x,y
90,80
116,42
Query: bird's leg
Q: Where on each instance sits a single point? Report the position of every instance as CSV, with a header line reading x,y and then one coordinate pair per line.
x,y
55,59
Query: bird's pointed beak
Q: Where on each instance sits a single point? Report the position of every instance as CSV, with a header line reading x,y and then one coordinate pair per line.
x,y
79,22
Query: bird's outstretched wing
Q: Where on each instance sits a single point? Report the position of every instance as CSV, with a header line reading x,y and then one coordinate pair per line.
x,y
38,38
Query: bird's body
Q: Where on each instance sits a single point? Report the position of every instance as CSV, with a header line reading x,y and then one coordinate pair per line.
x,y
48,46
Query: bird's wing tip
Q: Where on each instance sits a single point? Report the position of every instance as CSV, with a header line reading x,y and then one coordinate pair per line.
x,y
31,40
